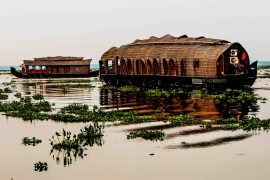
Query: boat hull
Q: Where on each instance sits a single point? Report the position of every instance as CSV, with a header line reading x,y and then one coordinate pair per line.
x,y
21,75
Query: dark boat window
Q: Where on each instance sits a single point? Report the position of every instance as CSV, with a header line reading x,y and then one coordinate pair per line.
x,y
123,67
196,63
165,67
129,67
149,67
155,67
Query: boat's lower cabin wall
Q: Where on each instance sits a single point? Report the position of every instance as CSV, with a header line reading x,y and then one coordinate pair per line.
x,y
79,69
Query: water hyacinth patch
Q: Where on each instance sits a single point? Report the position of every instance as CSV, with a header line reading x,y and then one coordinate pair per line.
x,y
232,96
75,108
67,141
80,113
157,92
18,95
3,96
159,111
122,88
31,141
74,145
26,109
7,90
230,127
248,123
41,166
153,135
180,120
38,97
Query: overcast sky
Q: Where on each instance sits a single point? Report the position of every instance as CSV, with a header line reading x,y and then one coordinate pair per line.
x,y
37,28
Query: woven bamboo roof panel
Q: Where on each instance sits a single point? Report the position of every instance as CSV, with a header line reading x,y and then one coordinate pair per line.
x,y
177,48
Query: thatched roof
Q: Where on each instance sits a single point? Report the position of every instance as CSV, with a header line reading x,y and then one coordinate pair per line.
x,y
170,47
58,61
58,58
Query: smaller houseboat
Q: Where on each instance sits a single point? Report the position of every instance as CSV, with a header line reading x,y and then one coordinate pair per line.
x,y
55,67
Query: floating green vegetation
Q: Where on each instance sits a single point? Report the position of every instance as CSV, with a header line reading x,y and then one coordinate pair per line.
x,y
159,111
248,123
75,108
80,113
230,127
207,126
26,109
153,92
180,120
122,88
74,145
68,142
38,97
157,92
41,166
153,135
3,96
31,141
91,135
7,90
232,96
18,95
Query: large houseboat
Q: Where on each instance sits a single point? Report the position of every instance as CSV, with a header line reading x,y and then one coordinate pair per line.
x,y
178,61
55,67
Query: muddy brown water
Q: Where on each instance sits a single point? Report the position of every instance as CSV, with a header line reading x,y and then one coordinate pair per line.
x,y
186,153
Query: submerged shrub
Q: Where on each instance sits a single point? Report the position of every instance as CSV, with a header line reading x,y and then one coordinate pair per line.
x,y
153,135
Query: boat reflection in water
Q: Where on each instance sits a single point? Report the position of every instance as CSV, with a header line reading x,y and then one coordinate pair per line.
x,y
195,104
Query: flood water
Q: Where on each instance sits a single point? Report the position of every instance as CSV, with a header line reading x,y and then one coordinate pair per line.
x,y
241,155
